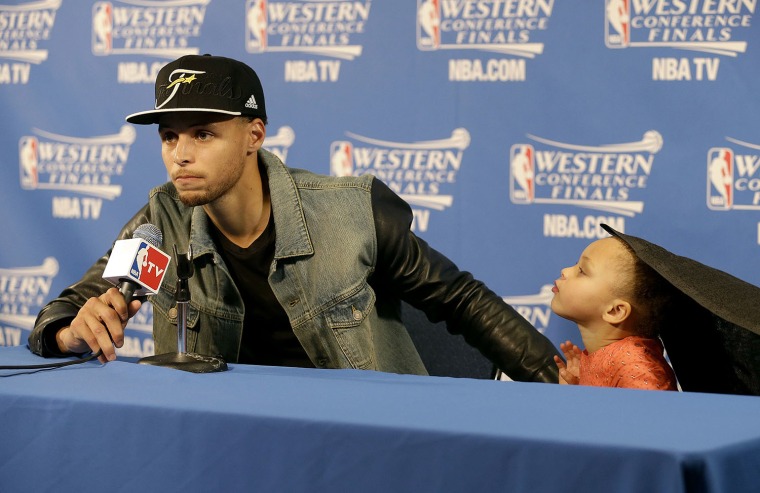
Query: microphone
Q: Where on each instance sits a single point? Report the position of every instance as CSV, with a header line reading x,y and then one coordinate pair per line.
x,y
181,359
137,266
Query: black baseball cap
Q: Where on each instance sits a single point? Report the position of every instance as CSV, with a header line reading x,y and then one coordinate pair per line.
x,y
205,83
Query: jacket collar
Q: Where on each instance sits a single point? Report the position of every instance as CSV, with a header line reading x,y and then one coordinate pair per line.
x,y
290,224
292,234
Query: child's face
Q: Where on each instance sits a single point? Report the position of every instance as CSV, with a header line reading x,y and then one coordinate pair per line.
x,y
585,290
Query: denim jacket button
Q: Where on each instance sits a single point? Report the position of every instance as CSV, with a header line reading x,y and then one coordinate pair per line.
x,y
173,312
357,314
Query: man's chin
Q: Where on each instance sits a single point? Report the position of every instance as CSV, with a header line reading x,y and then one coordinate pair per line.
x,y
193,199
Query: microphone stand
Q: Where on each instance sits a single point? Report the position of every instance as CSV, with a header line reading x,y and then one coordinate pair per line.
x,y
182,360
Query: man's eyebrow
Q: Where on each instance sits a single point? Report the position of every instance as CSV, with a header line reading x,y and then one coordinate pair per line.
x,y
190,125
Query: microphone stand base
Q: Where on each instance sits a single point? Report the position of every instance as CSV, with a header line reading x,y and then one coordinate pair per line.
x,y
191,362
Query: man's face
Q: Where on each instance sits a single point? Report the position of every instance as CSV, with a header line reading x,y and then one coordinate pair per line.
x,y
204,153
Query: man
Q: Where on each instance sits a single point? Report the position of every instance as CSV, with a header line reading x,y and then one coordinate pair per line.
x,y
291,268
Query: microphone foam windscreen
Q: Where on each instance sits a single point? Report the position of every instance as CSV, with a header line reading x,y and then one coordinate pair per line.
x,y
150,233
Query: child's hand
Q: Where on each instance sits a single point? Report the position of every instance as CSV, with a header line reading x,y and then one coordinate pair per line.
x,y
569,373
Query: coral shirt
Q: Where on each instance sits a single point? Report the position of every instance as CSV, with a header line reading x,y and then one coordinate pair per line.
x,y
633,362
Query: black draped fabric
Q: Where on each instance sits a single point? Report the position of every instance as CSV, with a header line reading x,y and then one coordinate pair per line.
x,y
713,335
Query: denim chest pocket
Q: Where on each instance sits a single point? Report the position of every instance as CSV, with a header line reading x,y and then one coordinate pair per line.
x,y
351,329
352,310
166,305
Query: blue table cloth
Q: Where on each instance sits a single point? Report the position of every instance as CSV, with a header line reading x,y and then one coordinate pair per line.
x,y
129,427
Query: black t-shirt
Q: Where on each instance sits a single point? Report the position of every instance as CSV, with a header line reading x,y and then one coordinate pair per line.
x,y
268,338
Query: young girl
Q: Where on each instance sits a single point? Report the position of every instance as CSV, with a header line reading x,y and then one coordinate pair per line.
x,y
619,304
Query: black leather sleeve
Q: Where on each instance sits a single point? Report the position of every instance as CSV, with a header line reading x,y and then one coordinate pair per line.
x,y
61,311
427,280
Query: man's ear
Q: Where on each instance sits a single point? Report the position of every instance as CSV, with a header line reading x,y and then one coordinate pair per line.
x,y
257,132
617,312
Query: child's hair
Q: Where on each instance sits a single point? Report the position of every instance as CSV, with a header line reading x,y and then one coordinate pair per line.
x,y
650,295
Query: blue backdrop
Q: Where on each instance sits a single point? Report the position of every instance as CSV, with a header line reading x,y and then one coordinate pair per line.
x,y
512,127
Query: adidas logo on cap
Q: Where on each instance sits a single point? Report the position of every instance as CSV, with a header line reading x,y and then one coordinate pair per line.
x,y
251,103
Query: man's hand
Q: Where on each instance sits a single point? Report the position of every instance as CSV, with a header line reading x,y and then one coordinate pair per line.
x,y
569,373
99,325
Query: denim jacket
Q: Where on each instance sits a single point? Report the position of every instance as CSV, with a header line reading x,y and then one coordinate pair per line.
x,y
343,261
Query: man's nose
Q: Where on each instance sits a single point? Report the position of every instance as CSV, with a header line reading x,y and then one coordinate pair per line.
x,y
183,150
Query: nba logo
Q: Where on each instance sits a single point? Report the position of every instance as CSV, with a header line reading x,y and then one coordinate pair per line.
x,y
141,261
522,184
617,25
720,178
149,266
102,28
29,159
428,24
341,159
256,26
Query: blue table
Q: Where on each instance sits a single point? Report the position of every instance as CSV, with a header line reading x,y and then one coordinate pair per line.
x,y
128,427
